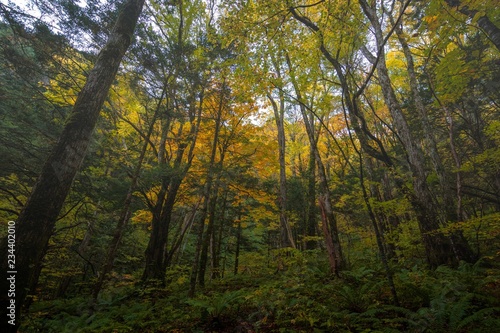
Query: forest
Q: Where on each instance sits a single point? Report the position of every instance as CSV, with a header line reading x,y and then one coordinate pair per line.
x,y
250,166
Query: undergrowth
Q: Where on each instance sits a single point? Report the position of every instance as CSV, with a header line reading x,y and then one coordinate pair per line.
x,y
303,297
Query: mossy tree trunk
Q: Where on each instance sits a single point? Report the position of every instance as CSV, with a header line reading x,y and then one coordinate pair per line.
x,y
36,222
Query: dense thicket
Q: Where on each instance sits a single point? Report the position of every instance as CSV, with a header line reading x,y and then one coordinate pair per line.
x,y
255,166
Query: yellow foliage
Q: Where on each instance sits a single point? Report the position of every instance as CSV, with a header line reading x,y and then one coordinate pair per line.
x,y
142,216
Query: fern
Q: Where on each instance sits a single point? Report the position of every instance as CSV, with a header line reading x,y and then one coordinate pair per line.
x,y
488,314
458,310
218,304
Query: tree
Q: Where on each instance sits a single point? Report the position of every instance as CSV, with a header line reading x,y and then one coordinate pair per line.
x,y
365,132
286,237
36,221
210,192
194,62
483,20
439,249
329,220
126,210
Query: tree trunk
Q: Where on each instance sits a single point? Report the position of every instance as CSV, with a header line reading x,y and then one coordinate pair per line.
x,y
286,237
438,248
216,248
36,222
157,246
125,214
393,221
453,211
330,246
238,244
328,217
489,28
199,263
311,194
208,235
370,143
379,236
155,252
199,239
188,223
427,127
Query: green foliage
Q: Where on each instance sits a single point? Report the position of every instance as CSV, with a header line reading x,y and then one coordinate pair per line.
x,y
214,306
185,51
123,311
449,300
304,297
359,293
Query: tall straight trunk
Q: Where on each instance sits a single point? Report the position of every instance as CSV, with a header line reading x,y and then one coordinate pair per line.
x,y
392,220
286,237
453,211
311,194
197,271
238,244
199,242
458,165
208,236
438,248
330,229
427,127
36,222
328,214
378,232
330,247
380,218
379,235
216,248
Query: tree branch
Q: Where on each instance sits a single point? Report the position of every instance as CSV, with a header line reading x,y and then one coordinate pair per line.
x,y
13,196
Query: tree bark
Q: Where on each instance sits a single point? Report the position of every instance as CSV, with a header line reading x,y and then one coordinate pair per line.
x,y
311,194
217,245
199,263
330,246
208,235
157,245
286,238
379,236
156,252
452,210
36,222
329,220
438,248
489,28
188,223
238,244
125,213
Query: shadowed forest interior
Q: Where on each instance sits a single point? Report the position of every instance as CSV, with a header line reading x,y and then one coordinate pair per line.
x,y
250,166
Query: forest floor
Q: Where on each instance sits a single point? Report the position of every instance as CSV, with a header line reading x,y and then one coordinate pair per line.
x,y
303,297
